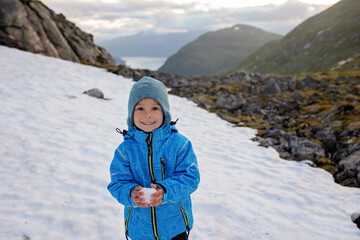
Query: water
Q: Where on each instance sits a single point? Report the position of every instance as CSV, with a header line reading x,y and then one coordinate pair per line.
x,y
151,63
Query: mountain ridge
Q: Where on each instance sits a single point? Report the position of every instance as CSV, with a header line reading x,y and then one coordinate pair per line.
x,y
323,42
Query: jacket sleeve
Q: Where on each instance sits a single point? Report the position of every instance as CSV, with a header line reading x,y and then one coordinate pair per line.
x,y
122,181
186,177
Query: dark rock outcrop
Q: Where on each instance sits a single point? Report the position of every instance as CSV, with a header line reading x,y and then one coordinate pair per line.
x,y
31,26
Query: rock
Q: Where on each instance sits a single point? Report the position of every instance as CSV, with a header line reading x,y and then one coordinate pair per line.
x,y
355,217
308,83
240,76
304,149
328,139
10,41
251,108
271,87
286,155
229,101
286,83
348,144
350,182
296,95
276,133
267,142
94,92
351,165
347,109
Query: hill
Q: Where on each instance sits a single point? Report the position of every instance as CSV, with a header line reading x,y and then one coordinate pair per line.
x,y
31,26
217,52
149,44
327,41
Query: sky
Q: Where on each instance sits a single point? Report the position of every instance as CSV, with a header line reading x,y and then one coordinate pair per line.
x,y
108,19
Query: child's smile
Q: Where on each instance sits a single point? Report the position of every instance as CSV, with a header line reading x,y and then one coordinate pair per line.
x,y
148,115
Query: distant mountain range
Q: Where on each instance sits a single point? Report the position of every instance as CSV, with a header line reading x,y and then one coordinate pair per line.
x,y
218,51
149,44
327,41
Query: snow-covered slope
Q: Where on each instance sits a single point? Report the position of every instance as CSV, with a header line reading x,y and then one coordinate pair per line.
x,y
57,145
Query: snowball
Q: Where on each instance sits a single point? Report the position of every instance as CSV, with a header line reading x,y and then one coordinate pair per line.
x,y
147,194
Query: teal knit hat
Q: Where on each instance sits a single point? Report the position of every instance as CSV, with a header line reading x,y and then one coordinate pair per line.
x,y
148,87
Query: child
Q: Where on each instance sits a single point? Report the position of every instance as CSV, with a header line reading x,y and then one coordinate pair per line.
x,y
154,155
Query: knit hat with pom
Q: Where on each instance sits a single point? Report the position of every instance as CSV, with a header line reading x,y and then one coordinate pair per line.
x,y
148,87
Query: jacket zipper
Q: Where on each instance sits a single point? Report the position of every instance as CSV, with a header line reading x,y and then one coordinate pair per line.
x,y
163,168
151,170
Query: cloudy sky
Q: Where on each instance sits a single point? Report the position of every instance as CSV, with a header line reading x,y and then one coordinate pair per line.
x,y
107,19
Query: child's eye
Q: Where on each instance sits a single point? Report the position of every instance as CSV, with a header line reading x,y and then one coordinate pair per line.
x,y
156,108
139,109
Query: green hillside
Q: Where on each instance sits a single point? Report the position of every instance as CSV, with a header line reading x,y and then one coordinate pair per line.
x,y
217,52
327,41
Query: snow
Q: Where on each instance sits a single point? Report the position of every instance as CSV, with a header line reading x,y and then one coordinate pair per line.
x,y
57,145
147,194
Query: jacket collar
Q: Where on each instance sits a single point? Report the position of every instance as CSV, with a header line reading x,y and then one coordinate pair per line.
x,y
159,134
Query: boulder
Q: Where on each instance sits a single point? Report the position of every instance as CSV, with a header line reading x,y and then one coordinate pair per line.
x,y
229,101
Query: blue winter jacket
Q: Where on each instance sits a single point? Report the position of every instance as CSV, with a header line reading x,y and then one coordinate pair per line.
x,y
163,157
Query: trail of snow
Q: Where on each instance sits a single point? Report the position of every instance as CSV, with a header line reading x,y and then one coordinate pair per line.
x,y
57,145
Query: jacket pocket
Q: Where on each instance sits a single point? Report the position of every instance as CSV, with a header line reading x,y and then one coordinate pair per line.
x,y
127,222
185,216
163,168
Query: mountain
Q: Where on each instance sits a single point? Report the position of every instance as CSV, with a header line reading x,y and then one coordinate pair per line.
x,y
327,41
216,52
149,44
31,26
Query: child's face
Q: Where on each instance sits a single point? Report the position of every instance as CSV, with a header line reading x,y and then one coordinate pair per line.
x,y
148,115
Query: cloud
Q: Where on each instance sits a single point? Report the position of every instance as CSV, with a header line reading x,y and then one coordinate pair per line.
x,y
126,17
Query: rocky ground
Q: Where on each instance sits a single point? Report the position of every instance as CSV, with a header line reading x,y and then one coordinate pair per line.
x,y
313,118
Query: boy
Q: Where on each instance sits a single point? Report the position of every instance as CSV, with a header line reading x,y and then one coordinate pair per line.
x,y
154,155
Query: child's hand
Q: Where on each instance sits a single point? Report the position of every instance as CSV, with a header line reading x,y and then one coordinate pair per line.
x,y
156,198
137,199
